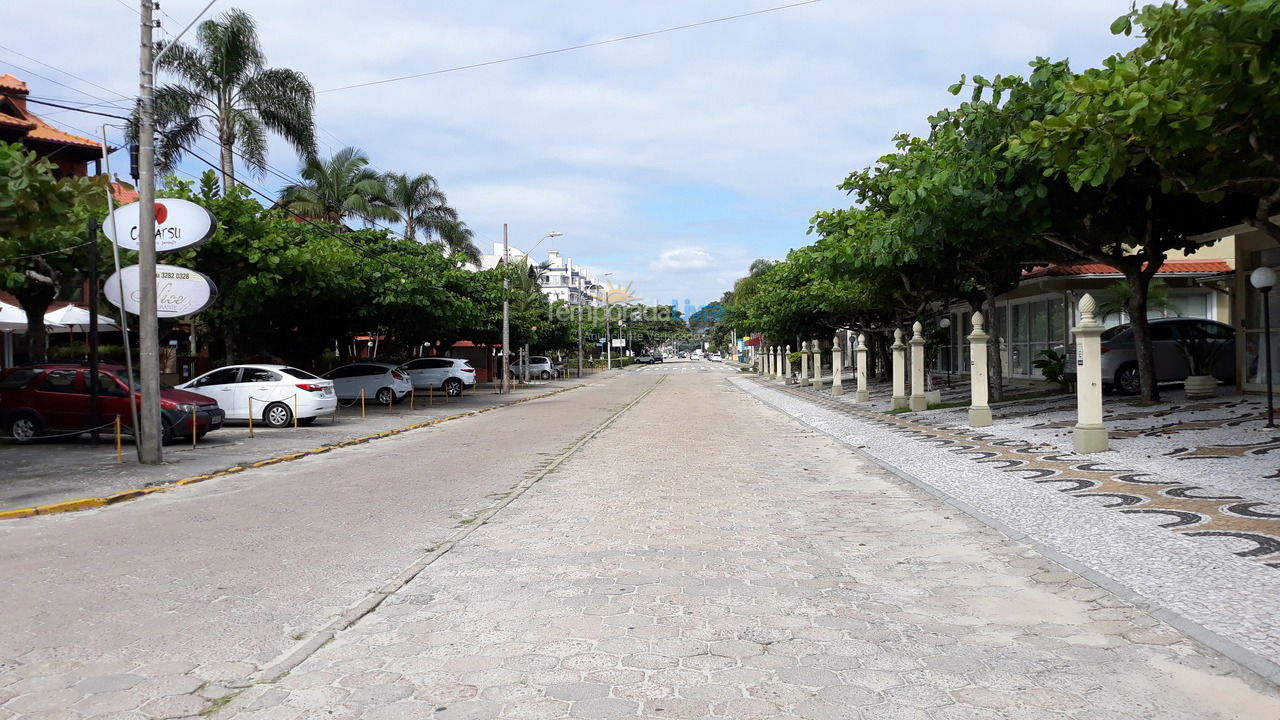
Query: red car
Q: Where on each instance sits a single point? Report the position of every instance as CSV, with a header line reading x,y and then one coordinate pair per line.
x,y
53,399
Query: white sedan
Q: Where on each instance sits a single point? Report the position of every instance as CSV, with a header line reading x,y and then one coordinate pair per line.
x,y
272,393
382,383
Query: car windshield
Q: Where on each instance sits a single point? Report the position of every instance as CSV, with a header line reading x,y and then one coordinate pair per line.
x,y
1111,333
121,374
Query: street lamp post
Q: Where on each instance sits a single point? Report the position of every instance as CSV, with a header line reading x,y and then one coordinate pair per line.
x,y
945,324
506,305
1264,278
608,338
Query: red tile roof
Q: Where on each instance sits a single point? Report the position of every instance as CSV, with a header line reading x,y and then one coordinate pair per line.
x,y
9,83
122,194
1170,267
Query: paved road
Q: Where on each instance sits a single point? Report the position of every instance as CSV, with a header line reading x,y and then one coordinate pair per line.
x,y
701,556
704,557
162,602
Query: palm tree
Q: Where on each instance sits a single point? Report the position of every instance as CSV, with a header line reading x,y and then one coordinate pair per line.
x,y
224,83
421,205
341,187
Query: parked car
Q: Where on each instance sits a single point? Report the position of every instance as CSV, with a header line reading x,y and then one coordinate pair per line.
x,y
452,375
657,357
55,398
272,391
643,359
560,368
383,383
1120,353
539,367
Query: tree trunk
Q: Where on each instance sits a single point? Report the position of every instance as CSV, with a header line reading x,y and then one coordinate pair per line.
x,y
995,358
1139,283
35,300
231,346
227,143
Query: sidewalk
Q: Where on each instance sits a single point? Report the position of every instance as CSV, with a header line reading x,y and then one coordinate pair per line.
x,y
57,471
1202,560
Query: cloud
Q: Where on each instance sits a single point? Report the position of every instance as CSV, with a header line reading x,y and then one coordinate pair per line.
x,y
682,260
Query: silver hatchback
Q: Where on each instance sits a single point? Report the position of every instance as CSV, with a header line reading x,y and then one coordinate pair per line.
x,y
1120,353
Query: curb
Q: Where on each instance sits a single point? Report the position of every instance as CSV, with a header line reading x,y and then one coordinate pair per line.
x,y
124,495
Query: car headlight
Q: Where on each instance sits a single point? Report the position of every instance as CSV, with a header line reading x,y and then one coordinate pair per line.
x,y
188,407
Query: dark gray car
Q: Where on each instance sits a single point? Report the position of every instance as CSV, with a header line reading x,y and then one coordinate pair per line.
x,y
1120,356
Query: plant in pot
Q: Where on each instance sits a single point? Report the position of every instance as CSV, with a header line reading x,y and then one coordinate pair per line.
x,y
793,364
1201,352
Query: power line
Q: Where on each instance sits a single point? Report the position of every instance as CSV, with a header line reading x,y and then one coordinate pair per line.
x,y
64,72
570,48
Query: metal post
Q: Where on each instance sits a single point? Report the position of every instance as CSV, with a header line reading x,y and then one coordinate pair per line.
x,y
579,338
1266,324
608,338
95,400
506,312
148,430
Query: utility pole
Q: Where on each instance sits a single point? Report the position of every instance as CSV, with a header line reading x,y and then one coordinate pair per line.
x,y
579,338
506,312
148,437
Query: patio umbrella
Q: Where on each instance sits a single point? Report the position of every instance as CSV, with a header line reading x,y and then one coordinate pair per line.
x,y
12,318
73,318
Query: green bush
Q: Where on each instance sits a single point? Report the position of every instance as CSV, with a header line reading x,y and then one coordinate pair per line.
x,y
79,351
1053,366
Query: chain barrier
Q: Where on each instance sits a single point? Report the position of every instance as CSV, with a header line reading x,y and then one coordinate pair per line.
x,y
60,435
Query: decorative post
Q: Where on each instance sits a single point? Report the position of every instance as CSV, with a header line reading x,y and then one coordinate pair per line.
x,y
773,361
918,401
786,364
899,370
766,365
804,363
979,411
816,363
1090,434
837,363
864,395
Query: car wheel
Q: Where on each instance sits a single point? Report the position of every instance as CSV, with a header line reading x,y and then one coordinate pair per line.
x,y
277,415
24,427
1128,379
303,422
385,396
453,387
168,433
546,375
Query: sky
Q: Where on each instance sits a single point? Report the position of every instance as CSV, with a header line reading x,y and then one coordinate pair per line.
x,y
671,160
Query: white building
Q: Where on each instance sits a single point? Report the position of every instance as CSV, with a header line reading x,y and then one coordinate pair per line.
x,y
559,278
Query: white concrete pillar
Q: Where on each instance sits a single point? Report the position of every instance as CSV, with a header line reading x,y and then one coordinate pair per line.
x,y
899,370
864,395
918,401
837,363
767,354
815,364
786,363
1090,434
804,363
979,411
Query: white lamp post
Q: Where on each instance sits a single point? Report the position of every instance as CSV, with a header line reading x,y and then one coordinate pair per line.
x,y
1264,278
608,339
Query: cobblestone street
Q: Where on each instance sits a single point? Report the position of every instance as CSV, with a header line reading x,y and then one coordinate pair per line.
x,y
706,556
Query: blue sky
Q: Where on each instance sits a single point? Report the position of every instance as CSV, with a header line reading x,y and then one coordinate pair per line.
x,y
672,160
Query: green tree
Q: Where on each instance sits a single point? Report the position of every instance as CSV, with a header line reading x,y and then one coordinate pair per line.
x,y
224,82
43,222
339,188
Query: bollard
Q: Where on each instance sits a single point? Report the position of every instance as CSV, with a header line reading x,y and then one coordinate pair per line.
x,y
250,416
295,411
837,364
864,395
815,365
361,402
412,393
431,395
899,371
119,454
786,364
804,363
193,430
1090,435
918,401
979,411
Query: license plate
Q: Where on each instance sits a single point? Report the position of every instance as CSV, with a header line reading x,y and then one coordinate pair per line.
x,y
328,392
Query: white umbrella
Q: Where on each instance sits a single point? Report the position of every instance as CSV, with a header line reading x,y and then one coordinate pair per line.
x,y
12,318
73,318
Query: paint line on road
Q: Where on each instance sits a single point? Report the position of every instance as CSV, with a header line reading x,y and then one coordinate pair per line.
x,y
124,495
294,656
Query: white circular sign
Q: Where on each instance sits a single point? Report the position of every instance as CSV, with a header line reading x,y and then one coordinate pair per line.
x,y
179,224
179,291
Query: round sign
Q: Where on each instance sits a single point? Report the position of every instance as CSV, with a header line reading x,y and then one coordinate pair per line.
x,y
179,224
179,291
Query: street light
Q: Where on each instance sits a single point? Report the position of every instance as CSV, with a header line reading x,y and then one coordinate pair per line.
x,y
945,323
608,339
1264,278
506,306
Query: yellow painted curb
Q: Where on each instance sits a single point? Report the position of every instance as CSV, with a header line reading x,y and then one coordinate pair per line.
x,y
122,496
70,505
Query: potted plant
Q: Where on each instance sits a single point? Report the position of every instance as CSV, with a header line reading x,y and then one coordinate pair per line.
x,y
1201,351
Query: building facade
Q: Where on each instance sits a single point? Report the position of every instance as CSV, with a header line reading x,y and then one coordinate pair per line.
x,y
559,278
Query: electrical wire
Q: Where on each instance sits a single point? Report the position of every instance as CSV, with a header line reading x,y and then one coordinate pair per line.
x,y
50,252
571,48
